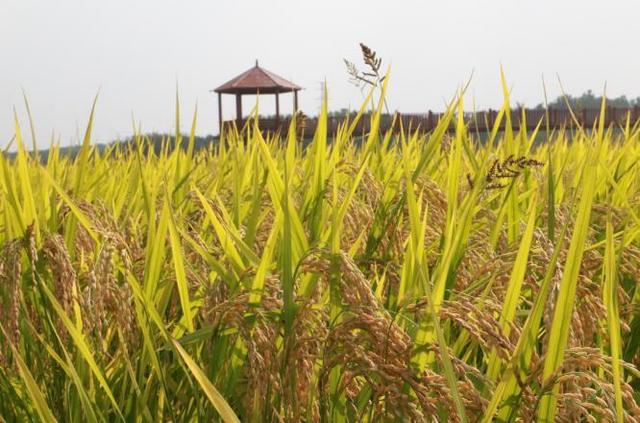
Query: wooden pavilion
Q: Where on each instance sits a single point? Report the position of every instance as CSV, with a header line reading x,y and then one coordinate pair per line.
x,y
256,81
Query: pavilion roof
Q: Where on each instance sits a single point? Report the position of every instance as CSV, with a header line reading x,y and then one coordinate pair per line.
x,y
256,80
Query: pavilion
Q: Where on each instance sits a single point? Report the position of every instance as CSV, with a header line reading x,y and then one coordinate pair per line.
x,y
256,81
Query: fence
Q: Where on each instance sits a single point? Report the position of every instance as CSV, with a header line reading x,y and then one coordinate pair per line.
x,y
483,121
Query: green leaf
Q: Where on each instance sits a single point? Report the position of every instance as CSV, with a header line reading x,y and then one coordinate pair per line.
x,y
563,311
178,264
37,398
610,300
226,412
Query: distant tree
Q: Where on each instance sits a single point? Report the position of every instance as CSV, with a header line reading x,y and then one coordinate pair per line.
x,y
589,100
342,113
155,141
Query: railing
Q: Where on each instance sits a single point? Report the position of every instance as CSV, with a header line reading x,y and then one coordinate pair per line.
x,y
483,121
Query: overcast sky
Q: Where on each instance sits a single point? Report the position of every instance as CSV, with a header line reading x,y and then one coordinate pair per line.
x,y
63,51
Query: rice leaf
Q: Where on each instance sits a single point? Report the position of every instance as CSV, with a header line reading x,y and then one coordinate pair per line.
x,y
226,413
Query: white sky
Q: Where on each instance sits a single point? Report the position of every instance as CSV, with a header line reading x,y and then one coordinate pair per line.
x,y
62,51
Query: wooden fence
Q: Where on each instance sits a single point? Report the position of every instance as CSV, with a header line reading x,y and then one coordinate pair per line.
x,y
480,122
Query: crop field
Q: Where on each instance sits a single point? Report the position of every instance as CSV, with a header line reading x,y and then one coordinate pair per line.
x,y
411,277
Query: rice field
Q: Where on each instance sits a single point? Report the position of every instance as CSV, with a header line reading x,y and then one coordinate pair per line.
x,y
411,277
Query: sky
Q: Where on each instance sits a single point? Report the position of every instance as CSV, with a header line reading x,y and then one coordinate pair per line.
x,y
135,53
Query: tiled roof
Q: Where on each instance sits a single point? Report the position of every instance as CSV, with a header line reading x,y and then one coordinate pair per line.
x,y
256,80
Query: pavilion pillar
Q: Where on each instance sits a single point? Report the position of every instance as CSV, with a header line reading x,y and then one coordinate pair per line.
x,y
295,101
277,110
239,110
220,123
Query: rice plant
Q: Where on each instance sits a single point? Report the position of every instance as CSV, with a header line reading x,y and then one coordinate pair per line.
x,y
406,277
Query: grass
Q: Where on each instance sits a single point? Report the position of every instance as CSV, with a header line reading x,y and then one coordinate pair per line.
x,y
405,277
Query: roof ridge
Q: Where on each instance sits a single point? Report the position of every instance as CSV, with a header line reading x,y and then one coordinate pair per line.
x,y
278,79
268,74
